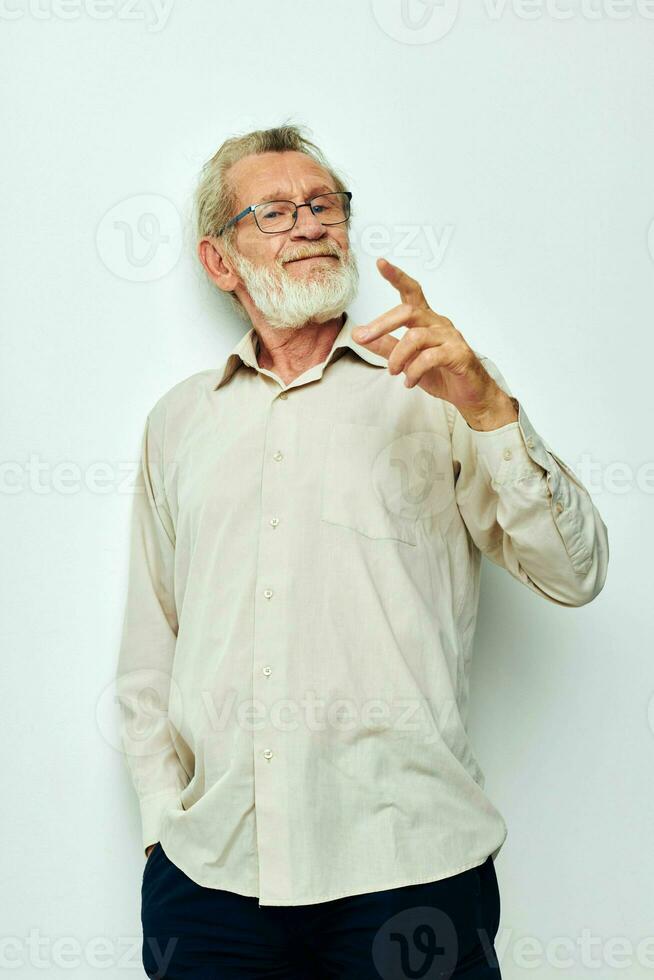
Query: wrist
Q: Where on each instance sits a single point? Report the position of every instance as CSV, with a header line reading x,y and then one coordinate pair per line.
x,y
503,411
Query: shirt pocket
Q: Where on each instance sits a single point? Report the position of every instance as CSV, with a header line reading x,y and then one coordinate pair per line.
x,y
379,481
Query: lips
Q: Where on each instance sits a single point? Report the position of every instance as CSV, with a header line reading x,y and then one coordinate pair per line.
x,y
308,257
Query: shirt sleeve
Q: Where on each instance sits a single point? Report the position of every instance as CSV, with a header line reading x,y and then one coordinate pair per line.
x,y
526,510
147,647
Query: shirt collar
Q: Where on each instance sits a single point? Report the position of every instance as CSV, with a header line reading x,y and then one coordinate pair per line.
x,y
246,350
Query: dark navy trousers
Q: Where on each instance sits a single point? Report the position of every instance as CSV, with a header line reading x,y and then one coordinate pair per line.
x,y
441,930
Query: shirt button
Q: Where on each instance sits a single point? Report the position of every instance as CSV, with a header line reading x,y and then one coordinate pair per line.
x,y
277,456
268,754
559,506
274,521
283,395
267,671
268,593
530,442
507,454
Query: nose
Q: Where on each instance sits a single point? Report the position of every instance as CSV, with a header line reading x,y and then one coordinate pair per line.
x,y
307,225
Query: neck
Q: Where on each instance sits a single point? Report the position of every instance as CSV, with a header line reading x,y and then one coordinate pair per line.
x,y
289,353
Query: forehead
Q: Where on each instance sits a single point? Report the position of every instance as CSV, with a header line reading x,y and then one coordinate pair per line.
x,y
264,176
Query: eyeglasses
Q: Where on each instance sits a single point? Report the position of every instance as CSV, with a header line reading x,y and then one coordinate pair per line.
x,y
273,217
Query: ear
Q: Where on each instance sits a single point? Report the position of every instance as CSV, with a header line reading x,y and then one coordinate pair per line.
x,y
217,267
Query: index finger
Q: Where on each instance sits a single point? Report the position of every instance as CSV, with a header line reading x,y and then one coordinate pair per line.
x,y
409,288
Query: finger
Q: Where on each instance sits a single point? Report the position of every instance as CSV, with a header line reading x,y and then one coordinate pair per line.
x,y
427,360
409,288
411,344
384,345
400,316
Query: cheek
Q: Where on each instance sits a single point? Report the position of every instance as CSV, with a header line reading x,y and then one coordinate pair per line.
x,y
263,253
256,246
342,240
266,250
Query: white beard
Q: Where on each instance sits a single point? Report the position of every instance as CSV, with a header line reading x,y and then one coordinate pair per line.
x,y
290,303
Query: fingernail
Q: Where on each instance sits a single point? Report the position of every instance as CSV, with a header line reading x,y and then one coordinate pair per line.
x,y
361,334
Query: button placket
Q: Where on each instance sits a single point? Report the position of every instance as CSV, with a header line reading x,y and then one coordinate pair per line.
x,y
270,642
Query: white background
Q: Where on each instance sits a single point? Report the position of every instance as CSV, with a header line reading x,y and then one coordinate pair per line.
x,y
520,139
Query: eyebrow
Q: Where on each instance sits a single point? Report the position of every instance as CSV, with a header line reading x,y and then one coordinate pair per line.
x,y
279,195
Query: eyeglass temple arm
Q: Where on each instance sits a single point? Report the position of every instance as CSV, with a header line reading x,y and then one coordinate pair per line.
x,y
232,221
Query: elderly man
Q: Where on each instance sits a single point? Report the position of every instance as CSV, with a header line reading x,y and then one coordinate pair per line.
x,y
302,600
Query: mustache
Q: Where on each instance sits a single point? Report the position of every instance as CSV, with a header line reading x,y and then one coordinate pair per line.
x,y
310,253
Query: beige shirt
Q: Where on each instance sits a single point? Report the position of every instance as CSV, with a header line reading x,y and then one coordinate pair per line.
x,y
302,598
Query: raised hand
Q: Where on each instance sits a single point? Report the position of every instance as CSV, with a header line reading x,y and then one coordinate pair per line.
x,y
435,355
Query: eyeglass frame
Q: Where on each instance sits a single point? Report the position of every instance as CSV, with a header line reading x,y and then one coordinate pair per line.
x,y
252,208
